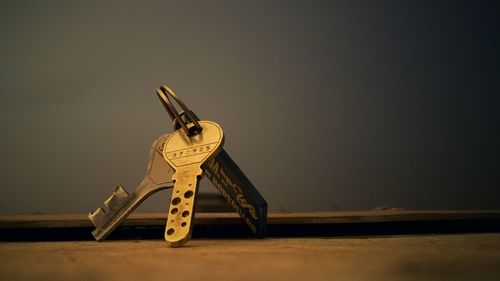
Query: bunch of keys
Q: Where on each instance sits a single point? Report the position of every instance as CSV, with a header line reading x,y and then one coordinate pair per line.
x,y
179,160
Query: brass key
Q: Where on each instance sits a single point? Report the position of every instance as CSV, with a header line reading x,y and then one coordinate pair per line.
x,y
222,171
186,155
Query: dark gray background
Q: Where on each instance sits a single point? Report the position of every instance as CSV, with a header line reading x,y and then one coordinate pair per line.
x,y
326,105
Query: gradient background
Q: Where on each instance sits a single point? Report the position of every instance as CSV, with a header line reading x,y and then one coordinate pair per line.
x,y
326,105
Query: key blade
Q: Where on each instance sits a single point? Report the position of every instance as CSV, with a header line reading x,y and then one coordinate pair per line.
x,y
119,198
181,214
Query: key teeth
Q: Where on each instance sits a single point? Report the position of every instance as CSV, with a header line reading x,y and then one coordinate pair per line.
x,y
118,198
120,189
94,216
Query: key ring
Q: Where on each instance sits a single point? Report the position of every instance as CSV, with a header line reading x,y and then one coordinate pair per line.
x,y
191,130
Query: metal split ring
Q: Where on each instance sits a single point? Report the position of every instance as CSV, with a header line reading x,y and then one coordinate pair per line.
x,y
186,119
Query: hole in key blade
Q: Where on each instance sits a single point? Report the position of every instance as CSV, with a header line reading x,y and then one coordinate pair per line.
x,y
183,224
188,194
170,231
174,211
176,201
185,214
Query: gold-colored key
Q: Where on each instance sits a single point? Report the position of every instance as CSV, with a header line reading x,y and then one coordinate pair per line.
x,y
186,155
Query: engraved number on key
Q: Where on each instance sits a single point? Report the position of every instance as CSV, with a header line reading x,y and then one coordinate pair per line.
x,y
187,155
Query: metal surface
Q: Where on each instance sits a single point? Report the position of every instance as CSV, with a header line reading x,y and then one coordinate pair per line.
x,y
187,155
121,203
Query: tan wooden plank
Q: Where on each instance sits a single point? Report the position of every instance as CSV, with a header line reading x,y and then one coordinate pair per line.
x,y
80,220
439,257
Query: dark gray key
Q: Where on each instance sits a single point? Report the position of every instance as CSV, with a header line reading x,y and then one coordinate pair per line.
x,y
121,203
222,171
232,183
236,188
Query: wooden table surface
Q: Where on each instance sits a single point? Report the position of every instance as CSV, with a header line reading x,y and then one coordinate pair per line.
x,y
274,218
341,247
417,257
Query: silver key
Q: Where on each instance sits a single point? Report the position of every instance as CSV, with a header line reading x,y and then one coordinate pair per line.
x,y
121,203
